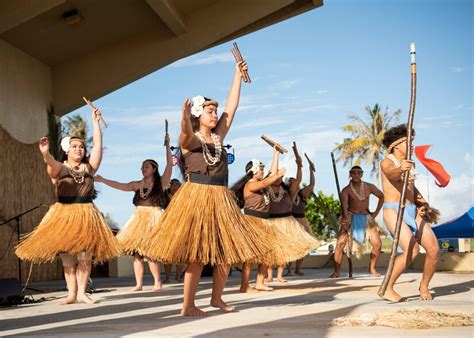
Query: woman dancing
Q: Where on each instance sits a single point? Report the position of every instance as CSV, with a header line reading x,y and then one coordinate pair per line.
x,y
281,204
73,228
203,223
298,211
149,200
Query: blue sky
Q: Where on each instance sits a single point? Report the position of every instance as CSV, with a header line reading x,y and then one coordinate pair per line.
x,y
309,73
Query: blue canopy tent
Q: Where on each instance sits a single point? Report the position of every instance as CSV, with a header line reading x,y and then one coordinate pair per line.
x,y
461,227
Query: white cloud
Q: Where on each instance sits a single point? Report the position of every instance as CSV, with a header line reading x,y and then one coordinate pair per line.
x,y
283,85
259,123
456,69
209,59
322,91
453,200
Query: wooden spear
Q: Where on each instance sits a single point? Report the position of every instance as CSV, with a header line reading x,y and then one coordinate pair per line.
x,y
343,215
401,209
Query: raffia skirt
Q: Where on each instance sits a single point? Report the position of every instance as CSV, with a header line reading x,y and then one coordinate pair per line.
x,y
305,224
70,228
203,224
297,234
138,228
371,227
284,249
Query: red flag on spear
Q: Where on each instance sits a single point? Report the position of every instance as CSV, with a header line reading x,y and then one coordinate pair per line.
x,y
434,167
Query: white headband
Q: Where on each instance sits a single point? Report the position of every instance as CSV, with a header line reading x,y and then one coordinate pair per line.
x,y
255,166
286,180
198,105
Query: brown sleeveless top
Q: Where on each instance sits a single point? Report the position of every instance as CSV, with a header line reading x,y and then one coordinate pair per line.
x,y
256,201
66,186
281,208
298,206
147,202
194,163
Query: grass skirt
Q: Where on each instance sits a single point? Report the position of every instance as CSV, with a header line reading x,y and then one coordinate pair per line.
x,y
371,227
70,228
203,224
301,241
305,224
284,249
137,229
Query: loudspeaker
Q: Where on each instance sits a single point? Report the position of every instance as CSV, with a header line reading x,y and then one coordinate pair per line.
x,y
10,291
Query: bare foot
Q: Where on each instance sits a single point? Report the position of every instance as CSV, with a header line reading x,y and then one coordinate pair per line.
x,y
68,300
247,289
268,280
167,280
425,294
157,287
334,275
374,273
282,280
393,296
223,306
299,272
263,288
193,312
179,280
85,299
288,273
137,288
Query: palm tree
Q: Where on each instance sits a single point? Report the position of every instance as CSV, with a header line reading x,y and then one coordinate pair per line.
x,y
365,143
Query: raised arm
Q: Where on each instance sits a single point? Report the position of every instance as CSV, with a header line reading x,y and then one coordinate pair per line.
x,y
295,186
96,152
275,161
312,181
130,186
374,190
166,177
232,103
187,134
255,186
53,167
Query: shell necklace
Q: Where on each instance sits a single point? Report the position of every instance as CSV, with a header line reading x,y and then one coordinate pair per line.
x,y
144,194
76,172
210,160
274,198
361,193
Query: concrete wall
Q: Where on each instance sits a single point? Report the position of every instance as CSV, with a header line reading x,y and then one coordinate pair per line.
x,y
25,93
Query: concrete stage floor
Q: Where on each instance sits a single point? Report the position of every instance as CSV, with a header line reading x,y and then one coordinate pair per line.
x,y
302,307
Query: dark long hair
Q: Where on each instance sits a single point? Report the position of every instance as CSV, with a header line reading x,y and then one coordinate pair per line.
x,y
157,195
238,187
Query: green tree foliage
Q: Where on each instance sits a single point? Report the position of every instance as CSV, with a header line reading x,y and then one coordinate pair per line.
x,y
365,142
322,212
54,134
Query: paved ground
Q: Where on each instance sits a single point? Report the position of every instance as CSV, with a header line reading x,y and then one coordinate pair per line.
x,y
302,307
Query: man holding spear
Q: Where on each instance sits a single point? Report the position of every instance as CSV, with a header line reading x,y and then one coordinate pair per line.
x,y
414,230
356,215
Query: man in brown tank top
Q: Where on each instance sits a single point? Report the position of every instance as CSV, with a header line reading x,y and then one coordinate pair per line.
x,y
355,203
